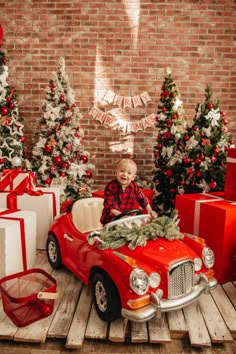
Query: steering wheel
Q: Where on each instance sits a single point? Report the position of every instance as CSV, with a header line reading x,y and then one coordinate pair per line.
x,y
127,213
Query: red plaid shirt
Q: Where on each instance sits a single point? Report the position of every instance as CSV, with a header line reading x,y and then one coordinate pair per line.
x,y
123,200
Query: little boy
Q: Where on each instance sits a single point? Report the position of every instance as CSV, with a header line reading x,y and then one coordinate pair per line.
x,y
121,193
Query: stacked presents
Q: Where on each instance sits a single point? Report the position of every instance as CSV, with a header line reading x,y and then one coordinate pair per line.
x,y
26,213
212,216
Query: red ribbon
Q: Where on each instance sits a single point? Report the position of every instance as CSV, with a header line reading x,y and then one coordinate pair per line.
x,y
54,205
22,233
12,197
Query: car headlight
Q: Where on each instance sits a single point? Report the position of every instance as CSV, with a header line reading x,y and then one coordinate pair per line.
x,y
208,257
154,280
139,281
197,264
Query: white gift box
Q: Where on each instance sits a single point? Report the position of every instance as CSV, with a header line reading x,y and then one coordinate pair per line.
x,y
17,241
42,205
57,193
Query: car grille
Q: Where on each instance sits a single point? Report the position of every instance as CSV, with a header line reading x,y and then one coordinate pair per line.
x,y
181,279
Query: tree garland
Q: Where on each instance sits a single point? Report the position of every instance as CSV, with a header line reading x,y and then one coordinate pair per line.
x,y
136,235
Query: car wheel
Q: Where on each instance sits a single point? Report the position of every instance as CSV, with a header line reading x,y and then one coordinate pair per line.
x,y
106,297
53,252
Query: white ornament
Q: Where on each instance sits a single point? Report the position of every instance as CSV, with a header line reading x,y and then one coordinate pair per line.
x,y
16,161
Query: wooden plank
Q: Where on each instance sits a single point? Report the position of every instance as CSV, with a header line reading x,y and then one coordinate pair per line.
x,y
60,325
177,324
117,330
96,328
215,324
230,290
75,337
139,332
158,330
198,333
37,331
226,308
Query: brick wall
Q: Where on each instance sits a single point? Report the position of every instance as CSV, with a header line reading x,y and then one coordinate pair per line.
x,y
124,46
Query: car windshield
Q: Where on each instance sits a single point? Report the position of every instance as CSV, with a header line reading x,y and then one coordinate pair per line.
x,y
128,221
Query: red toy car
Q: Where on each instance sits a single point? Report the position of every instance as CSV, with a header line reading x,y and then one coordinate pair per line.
x,y
139,283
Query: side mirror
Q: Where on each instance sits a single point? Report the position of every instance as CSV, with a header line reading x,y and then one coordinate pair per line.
x,y
93,237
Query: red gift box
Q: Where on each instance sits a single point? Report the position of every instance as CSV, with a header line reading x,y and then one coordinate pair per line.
x,y
230,175
147,192
213,218
17,180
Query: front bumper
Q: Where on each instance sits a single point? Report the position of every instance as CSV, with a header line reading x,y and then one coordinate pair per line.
x,y
157,306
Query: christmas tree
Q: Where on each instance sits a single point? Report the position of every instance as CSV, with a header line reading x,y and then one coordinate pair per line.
x,y
205,144
12,147
59,158
168,153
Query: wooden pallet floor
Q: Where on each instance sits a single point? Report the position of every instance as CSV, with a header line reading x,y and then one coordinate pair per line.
x,y
209,323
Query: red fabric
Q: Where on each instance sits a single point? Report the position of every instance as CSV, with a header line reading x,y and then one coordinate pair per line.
x,y
116,198
22,233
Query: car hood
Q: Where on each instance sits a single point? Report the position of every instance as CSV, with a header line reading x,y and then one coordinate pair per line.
x,y
160,251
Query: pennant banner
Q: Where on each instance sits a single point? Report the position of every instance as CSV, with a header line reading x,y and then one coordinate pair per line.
x,y
127,101
118,122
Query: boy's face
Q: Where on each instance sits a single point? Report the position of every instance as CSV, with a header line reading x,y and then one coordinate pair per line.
x,y
126,173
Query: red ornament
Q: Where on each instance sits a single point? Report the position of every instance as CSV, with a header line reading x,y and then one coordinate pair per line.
x,y
169,173
182,182
159,146
202,134
48,180
202,157
2,161
83,158
22,139
197,161
48,148
62,98
76,134
4,111
65,165
187,160
62,174
210,105
172,190
57,160
222,113
88,174
163,109
212,185
186,137
225,121
198,174
12,105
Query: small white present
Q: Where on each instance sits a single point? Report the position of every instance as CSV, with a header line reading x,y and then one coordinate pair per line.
x,y
17,241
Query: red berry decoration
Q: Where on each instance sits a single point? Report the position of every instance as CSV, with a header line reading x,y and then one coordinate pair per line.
x,y
198,174
182,182
2,161
22,139
83,158
48,148
225,121
62,98
62,174
88,174
202,157
197,161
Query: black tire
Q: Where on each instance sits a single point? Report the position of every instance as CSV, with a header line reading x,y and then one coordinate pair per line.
x,y
53,252
106,297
